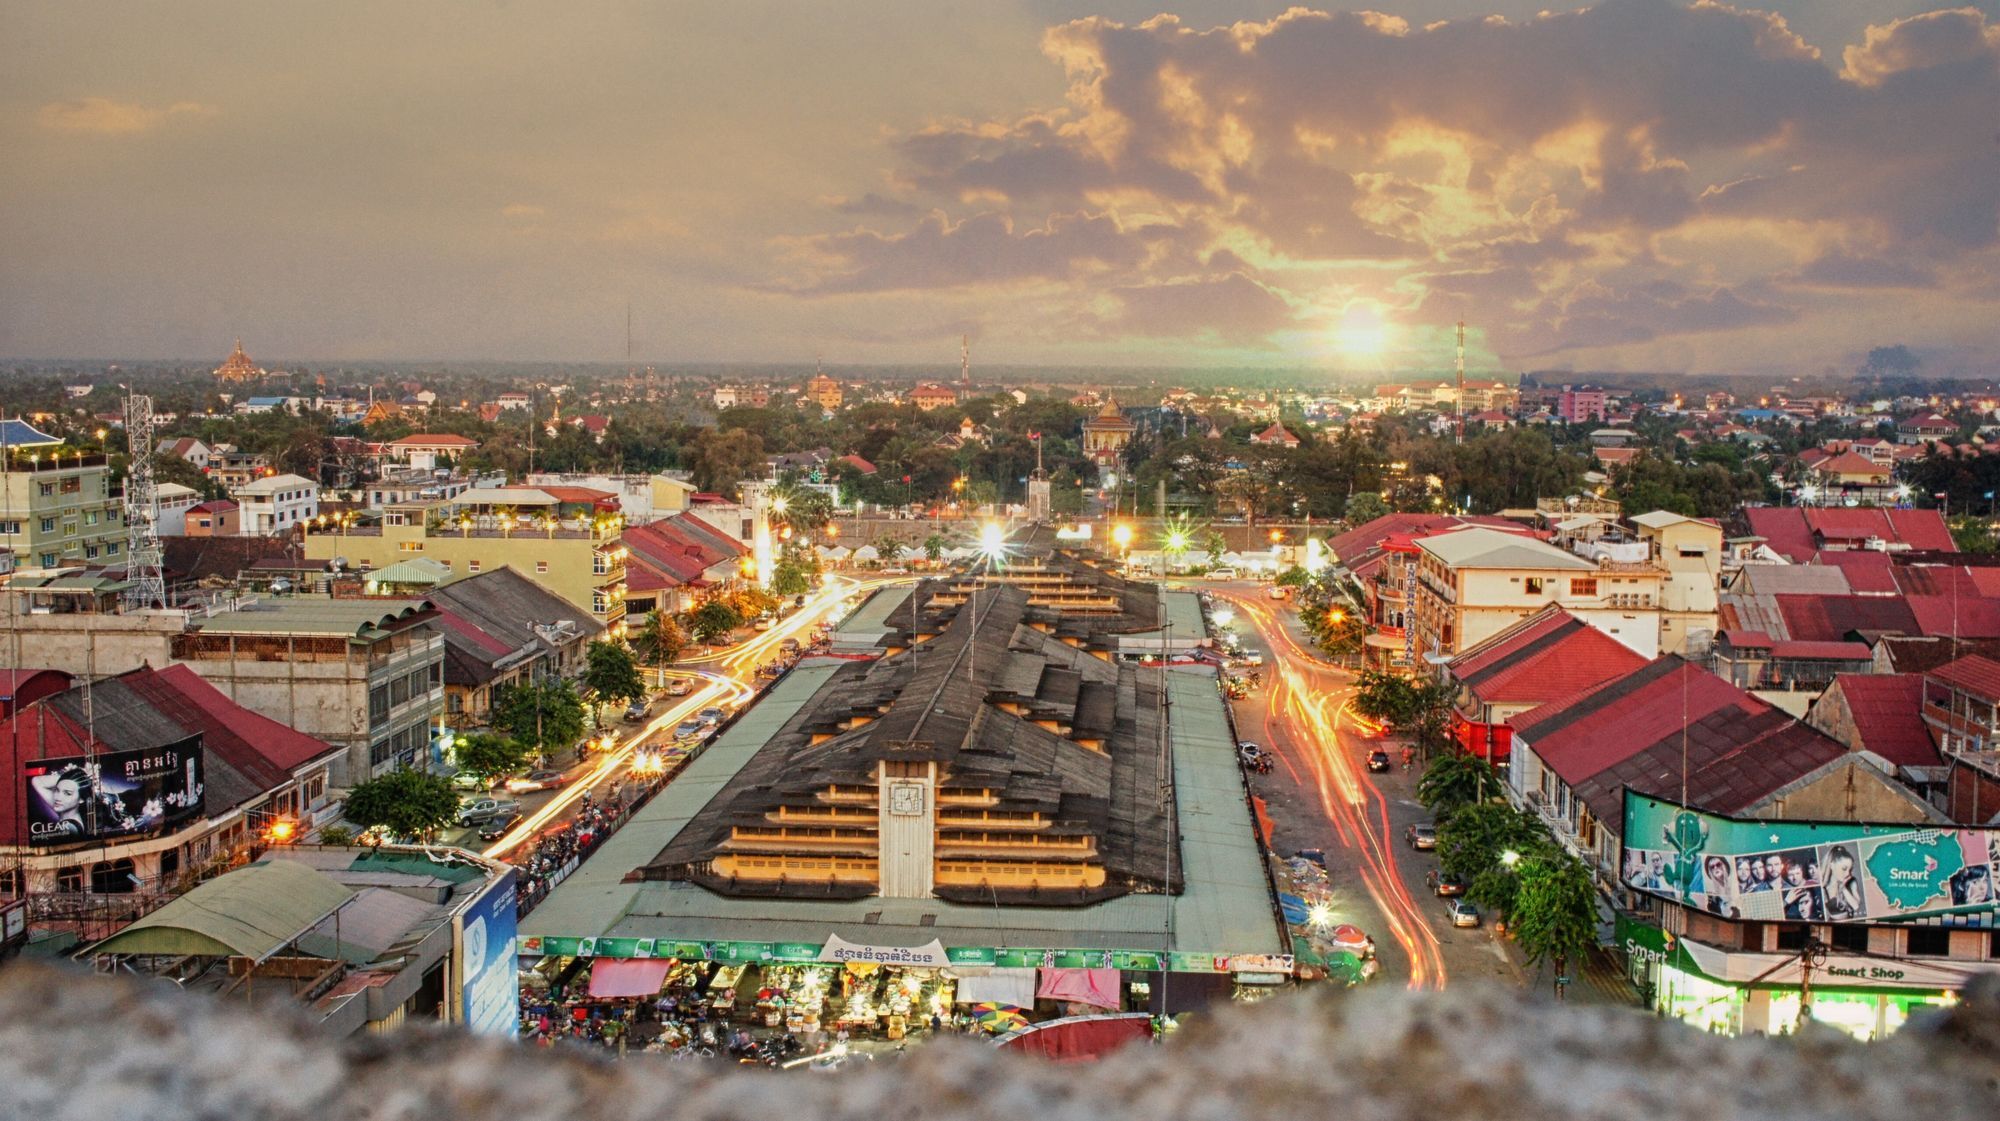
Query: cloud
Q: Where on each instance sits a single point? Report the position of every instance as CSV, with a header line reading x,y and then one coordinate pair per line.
x,y
522,210
106,117
1558,180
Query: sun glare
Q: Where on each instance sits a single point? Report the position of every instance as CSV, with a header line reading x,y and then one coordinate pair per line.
x,y
1362,333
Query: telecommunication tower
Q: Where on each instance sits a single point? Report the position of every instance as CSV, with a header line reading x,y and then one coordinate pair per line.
x,y
147,584
965,360
1459,437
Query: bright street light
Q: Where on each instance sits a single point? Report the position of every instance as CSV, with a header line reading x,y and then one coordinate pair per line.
x,y
1510,858
1224,617
1122,535
992,539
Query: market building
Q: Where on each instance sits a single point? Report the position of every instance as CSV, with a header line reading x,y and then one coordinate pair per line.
x,y
985,803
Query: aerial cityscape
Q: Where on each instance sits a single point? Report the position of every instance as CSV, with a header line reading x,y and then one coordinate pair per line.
x,y
871,539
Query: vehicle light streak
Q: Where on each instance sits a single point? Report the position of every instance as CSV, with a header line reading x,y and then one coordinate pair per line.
x,y
1312,714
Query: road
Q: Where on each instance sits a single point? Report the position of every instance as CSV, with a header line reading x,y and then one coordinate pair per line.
x,y
723,677
1321,795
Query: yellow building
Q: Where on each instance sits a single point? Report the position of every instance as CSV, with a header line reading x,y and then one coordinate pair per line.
x,y
575,553
1107,433
824,391
238,367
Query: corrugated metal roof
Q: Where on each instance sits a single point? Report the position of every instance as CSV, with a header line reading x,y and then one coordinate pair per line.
x,y
253,912
313,615
1888,718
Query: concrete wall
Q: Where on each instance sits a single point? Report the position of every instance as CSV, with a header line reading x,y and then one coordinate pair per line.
x,y
87,644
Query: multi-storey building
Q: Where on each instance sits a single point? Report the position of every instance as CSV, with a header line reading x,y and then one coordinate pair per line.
x,y
1961,706
1582,404
1474,583
573,552
347,671
276,504
824,392
58,506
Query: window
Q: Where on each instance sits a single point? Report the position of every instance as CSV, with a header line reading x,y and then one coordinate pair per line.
x,y
399,691
90,551
378,753
10,527
541,566
111,550
170,863
1583,586
48,525
1793,936
10,882
1532,585
48,489
113,877
472,566
410,546
48,560
1850,939
599,603
378,704
1929,942
70,879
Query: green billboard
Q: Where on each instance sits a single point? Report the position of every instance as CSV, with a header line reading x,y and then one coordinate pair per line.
x,y
1810,871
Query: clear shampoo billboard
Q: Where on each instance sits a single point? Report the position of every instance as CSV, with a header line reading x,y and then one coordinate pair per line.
x,y
1810,871
112,793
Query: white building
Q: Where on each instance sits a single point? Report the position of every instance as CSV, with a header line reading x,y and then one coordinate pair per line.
x,y
276,504
175,499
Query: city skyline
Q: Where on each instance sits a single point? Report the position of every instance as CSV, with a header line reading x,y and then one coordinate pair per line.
x,y
1637,185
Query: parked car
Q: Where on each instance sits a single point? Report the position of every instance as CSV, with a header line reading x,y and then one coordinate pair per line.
x,y
1461,913
689,729
537,780
1422,836
1250,658
497,826
1276,591
484,809
635,712
680,687
1442,883
1378,762
789,645
761,623
710,715
469,783
1222,573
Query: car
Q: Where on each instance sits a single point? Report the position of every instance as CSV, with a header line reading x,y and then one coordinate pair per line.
x,y
761,623
1276,591
1443,883
497,827
635,712
1222,573
484,809
710,715
1422,836
680,687
895,570
537,780
469,783
1248,748
1378,762
689,729
789,645
1251,658
1460,912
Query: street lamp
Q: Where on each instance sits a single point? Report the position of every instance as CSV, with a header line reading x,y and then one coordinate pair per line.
x,y
1510,858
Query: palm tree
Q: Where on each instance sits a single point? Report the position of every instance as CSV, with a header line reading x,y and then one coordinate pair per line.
x,y
934,547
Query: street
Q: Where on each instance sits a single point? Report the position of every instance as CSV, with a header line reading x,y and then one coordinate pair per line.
x,y
1321,795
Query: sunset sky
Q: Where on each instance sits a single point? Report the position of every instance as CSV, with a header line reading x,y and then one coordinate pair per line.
x,y
1637,185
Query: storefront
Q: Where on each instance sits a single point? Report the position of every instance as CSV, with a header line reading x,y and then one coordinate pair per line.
x,y
1734,992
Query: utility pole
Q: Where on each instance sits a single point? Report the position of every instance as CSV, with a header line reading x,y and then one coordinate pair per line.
x,y
1459,424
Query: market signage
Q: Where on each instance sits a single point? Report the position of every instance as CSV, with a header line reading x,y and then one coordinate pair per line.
x,y
931,955
1798,871
1649,945
1004,957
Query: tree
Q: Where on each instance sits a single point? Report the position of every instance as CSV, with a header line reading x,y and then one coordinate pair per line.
x,y
545,715
934,547
1455,780
713,620
405,802
611,674
725,457
807,510
487,756
1365,507
1555,911
1417,708
659,640
1472,840
794,573
889,549
1974,535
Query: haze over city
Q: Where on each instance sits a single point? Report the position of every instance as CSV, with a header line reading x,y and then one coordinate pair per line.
x,y
1631,185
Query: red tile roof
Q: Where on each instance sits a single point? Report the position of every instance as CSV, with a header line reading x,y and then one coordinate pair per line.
x,y
1747,640
1551,654
1975,674
1666,727
1360,548
1866,570
1849,463
1887,713
677,550
1960,615
1798,533
1811,618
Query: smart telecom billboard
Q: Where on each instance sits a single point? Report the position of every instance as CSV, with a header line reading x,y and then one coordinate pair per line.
x,y
113,793
1798,871
488,984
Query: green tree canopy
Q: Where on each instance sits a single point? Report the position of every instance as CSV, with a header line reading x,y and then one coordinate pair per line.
x,y
659,640
713,620
407,803
1555,912
612,675
546,715
487,756
794,573
1365,506
1472,840
1455,780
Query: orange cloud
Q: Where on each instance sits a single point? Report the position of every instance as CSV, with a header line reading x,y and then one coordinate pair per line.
x,y
105,117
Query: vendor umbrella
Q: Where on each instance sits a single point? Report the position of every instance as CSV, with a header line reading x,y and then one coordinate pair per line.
x,y
998,1018
1344,967
1345,935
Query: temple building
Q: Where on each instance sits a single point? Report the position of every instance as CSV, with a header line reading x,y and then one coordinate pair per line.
x,y
238,366
1106,434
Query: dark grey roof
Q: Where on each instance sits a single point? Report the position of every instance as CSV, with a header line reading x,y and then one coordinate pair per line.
x,y
998,704
491,622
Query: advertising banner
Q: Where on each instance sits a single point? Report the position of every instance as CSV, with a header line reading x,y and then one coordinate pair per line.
x,y
927,956
113,793
488,984
1798,871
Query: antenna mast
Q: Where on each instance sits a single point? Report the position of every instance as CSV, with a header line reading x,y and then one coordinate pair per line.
x,y
965,360
628,331
147,584
1459,428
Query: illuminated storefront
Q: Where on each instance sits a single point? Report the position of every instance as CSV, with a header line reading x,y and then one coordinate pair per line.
x,y
1734,993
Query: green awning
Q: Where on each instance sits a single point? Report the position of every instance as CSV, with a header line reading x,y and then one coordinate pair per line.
x,y
251,912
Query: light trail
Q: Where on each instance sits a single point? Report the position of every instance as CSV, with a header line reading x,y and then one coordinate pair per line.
x,y
1349,798
726,685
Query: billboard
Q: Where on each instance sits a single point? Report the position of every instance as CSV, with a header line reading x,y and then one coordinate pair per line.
x,y
489,987
1810,871
113,793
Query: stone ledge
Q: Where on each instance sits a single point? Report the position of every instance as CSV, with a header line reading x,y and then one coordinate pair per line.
x,y
77,1047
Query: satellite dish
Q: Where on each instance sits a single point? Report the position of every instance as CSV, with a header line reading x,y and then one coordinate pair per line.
x,y
339,563
280,586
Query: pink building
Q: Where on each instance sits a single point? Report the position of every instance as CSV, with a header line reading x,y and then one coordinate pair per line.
x,y
1580,404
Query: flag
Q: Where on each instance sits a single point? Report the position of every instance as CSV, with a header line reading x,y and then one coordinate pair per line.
x,y
906,478
1037,436
1941,494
